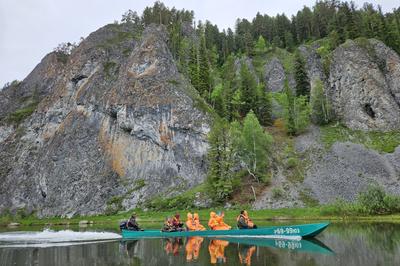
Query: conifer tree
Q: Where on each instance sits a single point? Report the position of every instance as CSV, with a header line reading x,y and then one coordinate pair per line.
x,y
248,88
263,108
302,81
219,178
204,73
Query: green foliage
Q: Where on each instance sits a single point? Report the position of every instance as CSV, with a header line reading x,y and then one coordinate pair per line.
x,y
296,111
373,201
218,100
307,199
248,89
220,157
263,108
301,77
321,111
114,204
292,162
183,201
21,114
278,192
252,145
376,140
110,69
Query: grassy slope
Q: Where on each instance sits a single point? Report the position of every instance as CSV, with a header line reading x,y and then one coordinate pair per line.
x,y
305,214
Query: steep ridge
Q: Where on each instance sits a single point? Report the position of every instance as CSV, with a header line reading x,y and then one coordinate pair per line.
x,y
118,126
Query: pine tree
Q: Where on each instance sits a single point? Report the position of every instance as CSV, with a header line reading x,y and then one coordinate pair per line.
x,y
248,88
204,71
263,108
302,81
219,178
297,111
260,50
194,67
218,98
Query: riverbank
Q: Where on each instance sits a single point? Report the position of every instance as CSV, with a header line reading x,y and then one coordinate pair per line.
x,y
304,214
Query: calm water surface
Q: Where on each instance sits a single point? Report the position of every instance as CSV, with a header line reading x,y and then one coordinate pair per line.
x,y
341,244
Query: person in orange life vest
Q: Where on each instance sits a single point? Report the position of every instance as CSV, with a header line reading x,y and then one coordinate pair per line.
x,y
217,251
196,218
190,223
216,222
244,222
221,224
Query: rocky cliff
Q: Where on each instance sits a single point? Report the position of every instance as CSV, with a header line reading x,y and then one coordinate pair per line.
x,y
365,85
115,124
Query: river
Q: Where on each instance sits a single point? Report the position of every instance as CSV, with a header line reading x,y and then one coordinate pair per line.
x,y
342,244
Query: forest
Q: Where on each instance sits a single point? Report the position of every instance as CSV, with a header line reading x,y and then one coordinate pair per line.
x,y
227,67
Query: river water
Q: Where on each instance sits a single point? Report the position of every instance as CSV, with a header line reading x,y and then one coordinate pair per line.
x,y
341,244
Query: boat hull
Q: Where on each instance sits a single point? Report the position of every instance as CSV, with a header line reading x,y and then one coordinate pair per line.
x,y
304,231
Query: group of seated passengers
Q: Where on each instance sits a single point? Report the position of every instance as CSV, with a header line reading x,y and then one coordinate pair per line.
x,y
174,224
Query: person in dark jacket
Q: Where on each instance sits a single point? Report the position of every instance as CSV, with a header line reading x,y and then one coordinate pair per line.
x,y
132,223
244,222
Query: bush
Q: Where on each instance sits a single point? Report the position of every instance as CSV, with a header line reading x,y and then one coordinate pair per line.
x,y
292,162
277,192
21,114
372,200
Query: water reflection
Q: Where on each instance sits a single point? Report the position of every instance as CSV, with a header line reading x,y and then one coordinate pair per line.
x,y
217,250
193,246
353,244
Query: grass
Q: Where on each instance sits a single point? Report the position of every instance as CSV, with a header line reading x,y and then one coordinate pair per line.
x,y
110,68
376,140
307,214
21,114
182,201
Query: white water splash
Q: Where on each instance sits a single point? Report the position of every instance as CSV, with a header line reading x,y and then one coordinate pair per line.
x,y
48,238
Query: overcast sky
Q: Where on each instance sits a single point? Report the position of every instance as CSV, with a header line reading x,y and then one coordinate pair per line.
x,y
29,29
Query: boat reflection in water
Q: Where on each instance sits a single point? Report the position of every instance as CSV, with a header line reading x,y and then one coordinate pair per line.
x,y
173,246
193,245
217,250
241,250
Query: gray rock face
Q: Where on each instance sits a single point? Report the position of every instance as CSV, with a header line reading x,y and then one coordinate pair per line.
x,y
364,86
246,60
348,169
275,76
313,62
39,83
120,124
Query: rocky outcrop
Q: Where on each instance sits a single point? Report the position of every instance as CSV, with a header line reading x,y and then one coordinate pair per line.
x,y
364,85
249,63
275,76
118,126
313,62
39,83
348,168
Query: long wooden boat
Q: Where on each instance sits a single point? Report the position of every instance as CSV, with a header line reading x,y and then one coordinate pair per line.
x,y
281,231
304,245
